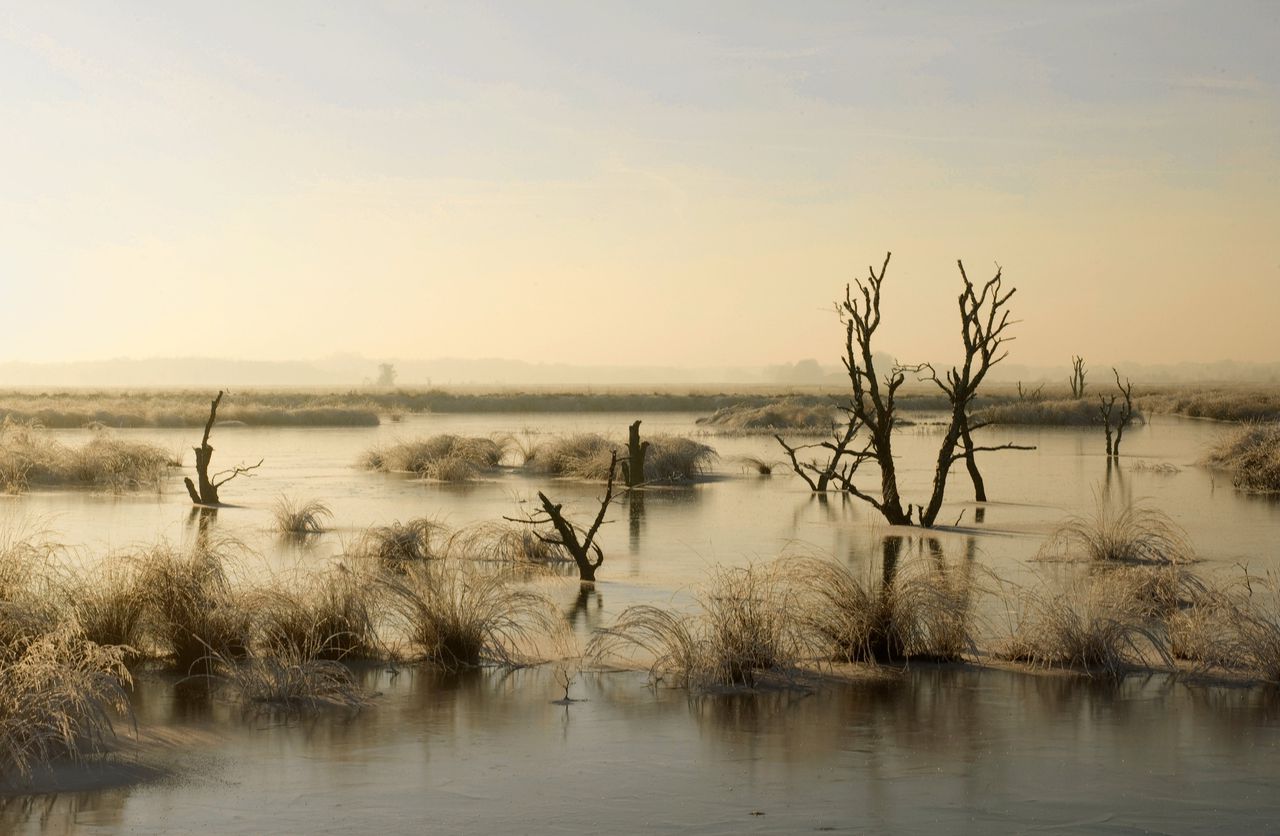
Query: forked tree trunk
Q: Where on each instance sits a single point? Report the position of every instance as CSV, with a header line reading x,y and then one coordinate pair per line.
x,y
207,493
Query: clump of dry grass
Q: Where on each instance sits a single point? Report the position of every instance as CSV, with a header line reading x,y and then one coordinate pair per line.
x,y
192,609
760,466
510,543
742,634
588,456
1130,534
1235,627
29,455
922,612
458,614
109,602
291,678
1065,412
401,543
295,517
794,416
445,458
1086,624
58,695
330,614
580,456
1251,454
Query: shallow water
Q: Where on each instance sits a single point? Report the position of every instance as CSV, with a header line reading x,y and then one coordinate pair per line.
x,y
969,750
963,751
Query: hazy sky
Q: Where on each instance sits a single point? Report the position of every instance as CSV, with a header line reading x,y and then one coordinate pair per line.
x,y
651,182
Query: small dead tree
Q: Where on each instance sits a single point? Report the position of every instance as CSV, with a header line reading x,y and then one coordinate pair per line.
x,y
580,543
819,475
633,465
1123,418
206,493
1029,394
1077,377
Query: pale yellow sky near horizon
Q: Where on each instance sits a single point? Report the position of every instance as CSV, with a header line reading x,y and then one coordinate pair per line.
x,y
648,184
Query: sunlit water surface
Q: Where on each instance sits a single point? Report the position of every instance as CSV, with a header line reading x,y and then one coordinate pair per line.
x,y
966,750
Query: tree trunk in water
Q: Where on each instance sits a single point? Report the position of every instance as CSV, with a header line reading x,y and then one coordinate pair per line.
x,y
207,492
633,467
979,487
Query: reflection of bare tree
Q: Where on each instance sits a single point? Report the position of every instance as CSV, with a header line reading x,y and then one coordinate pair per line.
x,y
202,520
635,517
587,594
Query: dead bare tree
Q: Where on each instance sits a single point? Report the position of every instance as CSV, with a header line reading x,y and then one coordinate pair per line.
x,y
1077,377
1106,406
566,536
633,465
207,491
1029,394
818,475
984,320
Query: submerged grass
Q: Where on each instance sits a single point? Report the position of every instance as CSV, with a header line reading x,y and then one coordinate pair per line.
x,y
400,543
290,678
330,615
1251,454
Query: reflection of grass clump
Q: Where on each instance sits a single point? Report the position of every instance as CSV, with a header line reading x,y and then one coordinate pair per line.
x,y
1252,455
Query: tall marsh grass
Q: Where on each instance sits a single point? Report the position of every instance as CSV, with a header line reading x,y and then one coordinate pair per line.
x,y
300,517
741,635
1251,454
1065,412
59,697
794,416
458,614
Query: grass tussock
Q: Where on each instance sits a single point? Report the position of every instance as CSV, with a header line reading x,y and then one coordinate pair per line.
x,y
741,634
292,679
670,459
58,697
1087,624
401,543
30,455
329,615
458,614
1243,404
1235,627
192,610
1251,454
922,612
794,416
506,543
1064,412
444,458
298,517
1132,533
761,467
109,602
